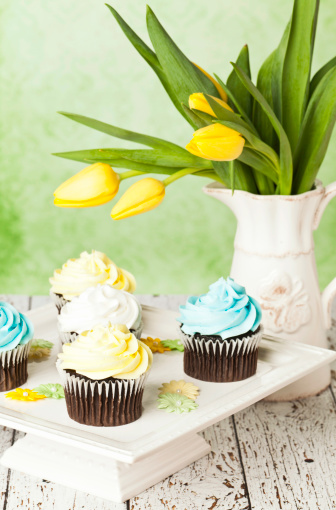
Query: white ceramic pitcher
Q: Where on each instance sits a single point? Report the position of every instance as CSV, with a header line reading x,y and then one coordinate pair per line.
x,y
274,259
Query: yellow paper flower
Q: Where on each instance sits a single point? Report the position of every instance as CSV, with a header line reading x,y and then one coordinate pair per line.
x,y
24,394
180,387
220,89
198,102
217,143
94,185
155,344
142,196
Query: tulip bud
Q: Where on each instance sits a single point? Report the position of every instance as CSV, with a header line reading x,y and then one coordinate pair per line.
x,y
198,102
94,185
217,143
141,197
220,89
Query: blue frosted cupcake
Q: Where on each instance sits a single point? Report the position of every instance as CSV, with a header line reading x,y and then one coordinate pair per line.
x,y
221,332
16,334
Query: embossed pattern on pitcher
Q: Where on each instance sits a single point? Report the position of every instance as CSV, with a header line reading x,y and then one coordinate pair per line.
x,y
284,302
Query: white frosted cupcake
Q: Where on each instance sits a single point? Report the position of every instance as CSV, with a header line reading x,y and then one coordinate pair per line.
x,y
89,270
98,306
104,373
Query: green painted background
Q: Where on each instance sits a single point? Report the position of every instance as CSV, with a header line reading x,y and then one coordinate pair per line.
x,y
71,56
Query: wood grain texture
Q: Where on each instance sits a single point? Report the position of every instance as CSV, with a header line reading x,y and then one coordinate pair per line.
x,y
213,482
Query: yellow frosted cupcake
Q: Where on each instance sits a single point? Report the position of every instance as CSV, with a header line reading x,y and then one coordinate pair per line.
x,y
89,270
103,373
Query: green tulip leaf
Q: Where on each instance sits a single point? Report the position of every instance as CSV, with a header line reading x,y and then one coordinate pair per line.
x,y
236,104
320,74
183,76
198,121
259,163
124,134
316,131
244,179
286,163
149,56
297,66
156,157
241,94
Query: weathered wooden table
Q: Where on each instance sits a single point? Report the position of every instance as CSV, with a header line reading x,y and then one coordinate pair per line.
x,y
269,456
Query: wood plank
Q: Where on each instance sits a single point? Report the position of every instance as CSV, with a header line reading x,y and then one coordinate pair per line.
x,y
289,453
32,493
213,482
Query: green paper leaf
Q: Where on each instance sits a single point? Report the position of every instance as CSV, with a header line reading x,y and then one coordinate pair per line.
x,y
173,345
242,95
316,131
183,76
42,344
286,164
175,403
124,134
149,57
297,66
320,74
51,390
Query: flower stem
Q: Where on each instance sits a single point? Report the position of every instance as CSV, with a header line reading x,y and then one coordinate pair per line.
x,y
131,173
179,174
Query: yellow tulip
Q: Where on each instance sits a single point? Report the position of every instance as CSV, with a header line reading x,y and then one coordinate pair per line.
x,y
94,185
220,89
217,143
198,102
141,197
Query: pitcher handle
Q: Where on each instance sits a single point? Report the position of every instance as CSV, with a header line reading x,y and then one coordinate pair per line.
x,y
330,192
330,291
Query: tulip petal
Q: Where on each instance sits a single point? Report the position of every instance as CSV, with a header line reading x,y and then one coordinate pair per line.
x,y
94,185
142,196
215,131
198,102
221,149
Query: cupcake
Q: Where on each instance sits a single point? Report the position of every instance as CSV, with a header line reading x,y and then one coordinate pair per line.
x,y
16,333
89,270
98,306
103,373
221,332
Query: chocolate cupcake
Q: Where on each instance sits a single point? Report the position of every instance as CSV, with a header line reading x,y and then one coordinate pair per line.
x,y
221,332
16,333
97,306
89,270
103,373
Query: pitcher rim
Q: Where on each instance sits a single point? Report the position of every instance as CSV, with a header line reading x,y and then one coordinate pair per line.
x,y
217,187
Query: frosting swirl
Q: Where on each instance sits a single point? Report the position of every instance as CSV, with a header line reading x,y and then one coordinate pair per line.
x,y
89,270
97,306
226,310
15,328
107,351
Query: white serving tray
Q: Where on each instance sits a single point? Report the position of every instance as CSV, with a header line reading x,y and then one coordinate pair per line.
x,y
157,444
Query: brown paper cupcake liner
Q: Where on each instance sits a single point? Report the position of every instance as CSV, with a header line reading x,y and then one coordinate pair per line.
x,y
14,367
107,403
59,301
69,336
217,360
